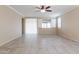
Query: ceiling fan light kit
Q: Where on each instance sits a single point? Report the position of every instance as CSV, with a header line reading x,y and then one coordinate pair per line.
x,y
42,11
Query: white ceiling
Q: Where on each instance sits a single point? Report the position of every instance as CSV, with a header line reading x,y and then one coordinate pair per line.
x,y
30,10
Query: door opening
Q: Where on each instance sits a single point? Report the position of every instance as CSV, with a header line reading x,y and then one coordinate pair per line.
x,y
30,26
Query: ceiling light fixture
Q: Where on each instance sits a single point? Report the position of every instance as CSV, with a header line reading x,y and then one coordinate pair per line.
x,y
43,11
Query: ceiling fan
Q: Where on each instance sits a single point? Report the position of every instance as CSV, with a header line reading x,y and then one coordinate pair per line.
x,y
44,8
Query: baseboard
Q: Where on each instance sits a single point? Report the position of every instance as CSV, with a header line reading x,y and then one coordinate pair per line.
x,y
69,37
7,41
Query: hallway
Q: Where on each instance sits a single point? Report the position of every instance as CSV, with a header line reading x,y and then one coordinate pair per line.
x,y
41,44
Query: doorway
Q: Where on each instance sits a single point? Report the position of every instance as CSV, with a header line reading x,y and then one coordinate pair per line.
x,y
30,26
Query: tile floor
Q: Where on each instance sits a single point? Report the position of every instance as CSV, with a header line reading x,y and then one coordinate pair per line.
x,y
40,44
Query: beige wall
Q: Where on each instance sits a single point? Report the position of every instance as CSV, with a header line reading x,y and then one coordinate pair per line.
x,y
10,25
70,25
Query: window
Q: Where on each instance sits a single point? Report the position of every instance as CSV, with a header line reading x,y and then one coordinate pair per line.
x,y
46,25
43,25
53,22
59,22
31,26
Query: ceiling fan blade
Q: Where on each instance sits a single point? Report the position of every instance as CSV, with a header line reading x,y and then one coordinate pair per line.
x,y
42,7
47,7
49,10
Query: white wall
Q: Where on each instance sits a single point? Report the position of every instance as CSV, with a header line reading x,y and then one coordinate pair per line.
x,y
10,25
70,25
